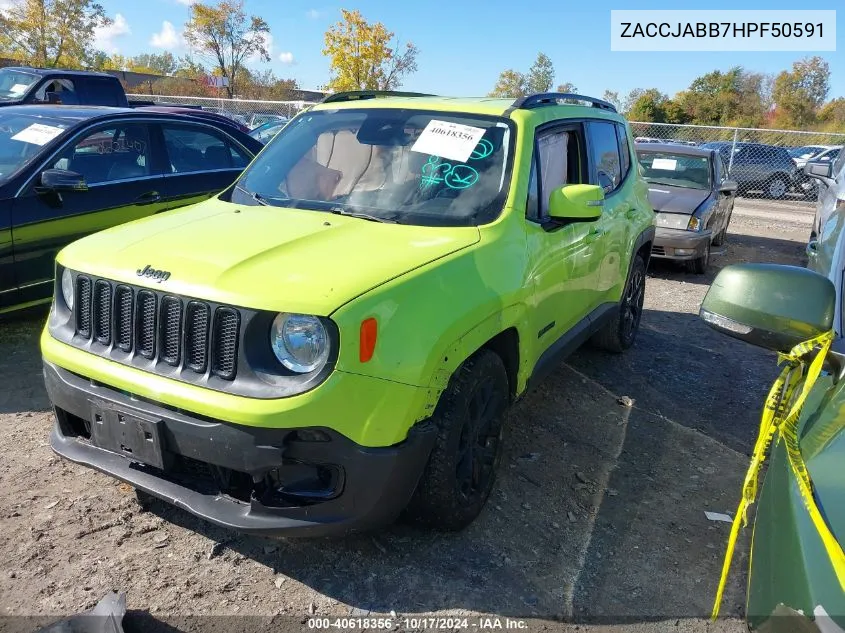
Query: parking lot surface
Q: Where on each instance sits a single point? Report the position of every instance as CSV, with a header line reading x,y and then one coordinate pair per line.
x,y
596,522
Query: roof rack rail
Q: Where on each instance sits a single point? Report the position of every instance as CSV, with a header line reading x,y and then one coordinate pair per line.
x,y
551,98
357,95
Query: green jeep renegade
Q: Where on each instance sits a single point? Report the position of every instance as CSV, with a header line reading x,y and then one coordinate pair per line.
x,y
335,338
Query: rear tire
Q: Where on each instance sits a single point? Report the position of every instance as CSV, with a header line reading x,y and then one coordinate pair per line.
x,y
700,264
776,187
619,334
461,470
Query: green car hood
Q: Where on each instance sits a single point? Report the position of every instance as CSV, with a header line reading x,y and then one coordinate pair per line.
x,y
266,258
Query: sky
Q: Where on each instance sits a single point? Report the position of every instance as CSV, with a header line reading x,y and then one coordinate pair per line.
x,y
464,45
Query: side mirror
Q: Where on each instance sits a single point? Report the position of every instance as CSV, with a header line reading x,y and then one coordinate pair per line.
x,y
576,202
769,305
728,186
823,170
62,180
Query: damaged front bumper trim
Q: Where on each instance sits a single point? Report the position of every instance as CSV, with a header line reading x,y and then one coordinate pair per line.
x,y
270,481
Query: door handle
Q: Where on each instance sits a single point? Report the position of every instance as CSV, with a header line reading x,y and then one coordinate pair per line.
x,y
148,198
632,214
593,235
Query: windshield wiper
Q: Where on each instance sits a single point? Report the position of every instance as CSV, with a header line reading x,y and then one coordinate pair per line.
x,y
664,184
264,201
363,216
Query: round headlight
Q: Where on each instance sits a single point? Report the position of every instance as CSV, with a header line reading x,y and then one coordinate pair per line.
x,y
67,288
300,342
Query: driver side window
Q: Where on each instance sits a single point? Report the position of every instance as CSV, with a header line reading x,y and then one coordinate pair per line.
x,y
109,154
721,173
557,162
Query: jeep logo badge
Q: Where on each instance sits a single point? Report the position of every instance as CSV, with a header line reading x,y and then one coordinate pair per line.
x,y
152,273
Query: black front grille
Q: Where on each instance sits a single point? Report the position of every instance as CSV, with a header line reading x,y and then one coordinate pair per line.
x,y
158,327
225,340
101,312
171,330
83,306
123,318
196,336
145,324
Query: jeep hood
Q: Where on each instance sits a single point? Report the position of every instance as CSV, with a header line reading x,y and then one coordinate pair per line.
x,y
669,199
268,258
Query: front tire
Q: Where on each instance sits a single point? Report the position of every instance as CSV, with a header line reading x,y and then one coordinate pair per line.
x,y
619,334
462,467
700,264
722,237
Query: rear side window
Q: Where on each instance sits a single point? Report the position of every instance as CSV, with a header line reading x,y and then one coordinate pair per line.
x,y
102,92
194,149
604,151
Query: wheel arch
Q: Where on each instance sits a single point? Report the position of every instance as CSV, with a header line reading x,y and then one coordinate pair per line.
x,y
642,247
506,346
502,333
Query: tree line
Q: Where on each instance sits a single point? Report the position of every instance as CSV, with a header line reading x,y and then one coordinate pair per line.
x,y
222,40
794,98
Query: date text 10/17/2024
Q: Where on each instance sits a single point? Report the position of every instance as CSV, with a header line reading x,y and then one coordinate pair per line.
x,y
418,623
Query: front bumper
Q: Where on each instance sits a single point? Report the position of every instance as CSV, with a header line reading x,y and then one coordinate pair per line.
x,y
271,481
668,241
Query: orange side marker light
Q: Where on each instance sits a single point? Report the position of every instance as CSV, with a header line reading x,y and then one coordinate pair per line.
x,y
369,334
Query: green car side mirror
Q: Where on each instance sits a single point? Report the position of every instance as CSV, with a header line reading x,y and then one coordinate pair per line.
x,y
769,305
576,202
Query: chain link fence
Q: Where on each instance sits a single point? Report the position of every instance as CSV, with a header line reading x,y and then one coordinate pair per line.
x,y
766,164
251,113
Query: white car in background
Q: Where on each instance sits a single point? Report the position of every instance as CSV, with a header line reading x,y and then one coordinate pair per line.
x,y
801,155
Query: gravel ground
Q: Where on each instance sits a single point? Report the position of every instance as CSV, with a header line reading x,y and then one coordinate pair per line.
x,y
596,523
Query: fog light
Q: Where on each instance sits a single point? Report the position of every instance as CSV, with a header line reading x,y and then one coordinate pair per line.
x,y
303,482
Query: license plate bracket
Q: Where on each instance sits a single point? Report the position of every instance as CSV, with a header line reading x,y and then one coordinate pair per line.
x,y
126,433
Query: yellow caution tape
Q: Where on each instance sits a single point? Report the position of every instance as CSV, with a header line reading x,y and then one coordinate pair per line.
x,y
774,420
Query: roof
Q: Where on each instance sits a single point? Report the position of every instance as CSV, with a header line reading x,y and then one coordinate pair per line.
x,y
685,150
74,112
491,106
720,144
85,112
57,71
480,105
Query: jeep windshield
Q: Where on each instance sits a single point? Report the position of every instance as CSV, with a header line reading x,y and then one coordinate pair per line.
x,y
390,165
14,84
21,138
